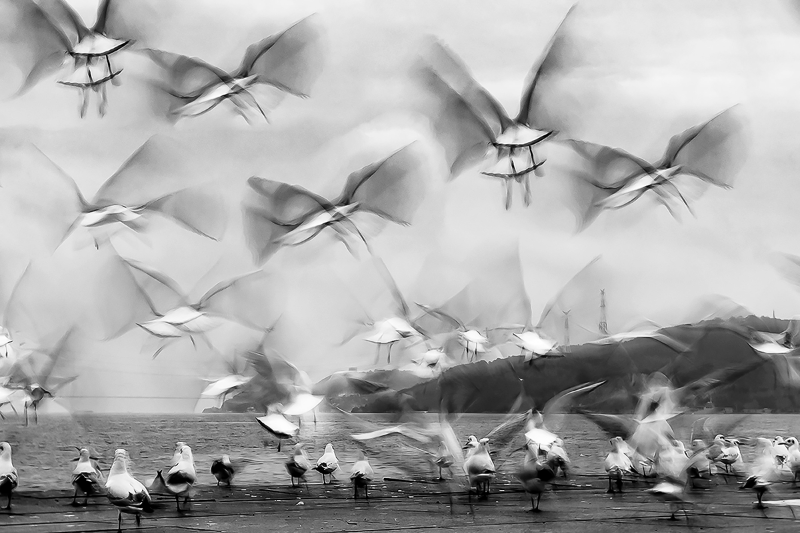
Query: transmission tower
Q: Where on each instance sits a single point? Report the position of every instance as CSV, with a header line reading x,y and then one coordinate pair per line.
x,y
603,323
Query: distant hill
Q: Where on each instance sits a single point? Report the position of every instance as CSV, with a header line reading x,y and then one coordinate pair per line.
x,y
492,387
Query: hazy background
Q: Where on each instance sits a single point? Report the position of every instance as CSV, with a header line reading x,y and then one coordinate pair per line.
x,y
650,70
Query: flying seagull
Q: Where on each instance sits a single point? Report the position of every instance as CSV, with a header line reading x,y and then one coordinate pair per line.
x,y
50,34
278,214
617,178
160,177
289,62
471,124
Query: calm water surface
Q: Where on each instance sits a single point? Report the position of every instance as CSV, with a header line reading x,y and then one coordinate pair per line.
x,y
43,454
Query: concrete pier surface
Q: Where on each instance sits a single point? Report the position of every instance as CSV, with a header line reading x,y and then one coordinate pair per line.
x,y
579,504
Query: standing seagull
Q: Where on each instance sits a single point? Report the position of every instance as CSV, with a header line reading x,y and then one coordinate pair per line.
x,y
361,475
472,124
288,62
479,466
277,214
327,464
51,32
124,491
8,474
298,465
225,469
617,178
86,477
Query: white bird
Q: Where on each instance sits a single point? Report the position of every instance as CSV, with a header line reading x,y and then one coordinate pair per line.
x,y
618,463
361,475
794,457
182,476
8,474
726,452
674,494
763,470
478,465
298,465
327,464
278,426
537,345
86,477
124,491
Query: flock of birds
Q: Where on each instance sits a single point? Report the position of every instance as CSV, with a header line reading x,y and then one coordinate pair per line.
x,y
473,129
648,452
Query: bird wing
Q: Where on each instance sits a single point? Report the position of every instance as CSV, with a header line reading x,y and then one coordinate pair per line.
x,y
532,107
392,188
701,143
558,405
40,201
188,77
162,292
66,18
272,209
254,300
160,167
555,301
465,118
290,61
37,43
613,425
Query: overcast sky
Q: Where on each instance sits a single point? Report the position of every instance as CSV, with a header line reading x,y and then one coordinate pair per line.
x,y
647,70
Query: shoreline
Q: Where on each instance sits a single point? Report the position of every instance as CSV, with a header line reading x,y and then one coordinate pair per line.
x,y
578,504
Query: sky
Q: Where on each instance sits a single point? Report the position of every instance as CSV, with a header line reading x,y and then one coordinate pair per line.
x,y
642,73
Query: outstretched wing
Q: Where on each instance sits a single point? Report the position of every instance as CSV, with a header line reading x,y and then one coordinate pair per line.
x,y
33,40
160,167
290,61
161,293
272,209
254,300
39,203
392,188
712,151
532,107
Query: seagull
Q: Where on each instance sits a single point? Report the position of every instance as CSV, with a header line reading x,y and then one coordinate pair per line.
x,y
618,463
618,178
126,493
86,477
478,465
288,62
674,494
472,125
237,299
180,477
8,474
278,214
534,476
763,470
36,382
225,469
161,176
298,465
361,475
793,460
278,426
52,32
327,464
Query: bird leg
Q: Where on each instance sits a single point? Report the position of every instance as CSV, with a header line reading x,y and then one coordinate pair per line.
x,y
610,487
177,502
119,523
74,498
366,491
35,414
389,355
138,520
